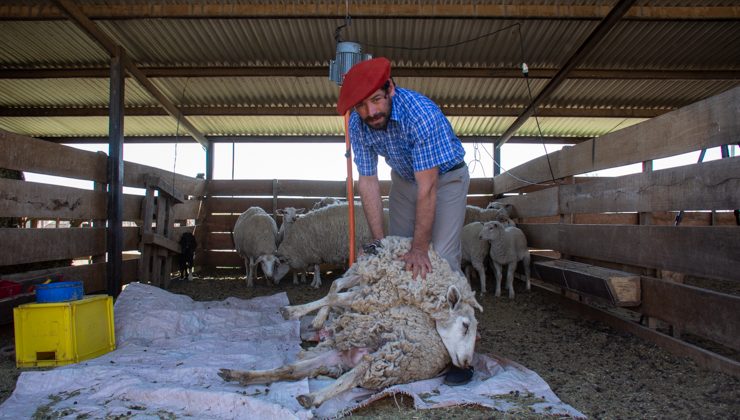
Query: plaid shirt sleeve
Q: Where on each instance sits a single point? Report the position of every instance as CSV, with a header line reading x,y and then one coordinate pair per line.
x,y
365,157
432,137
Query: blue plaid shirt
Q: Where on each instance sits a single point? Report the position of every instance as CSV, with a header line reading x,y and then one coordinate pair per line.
x,y
418,137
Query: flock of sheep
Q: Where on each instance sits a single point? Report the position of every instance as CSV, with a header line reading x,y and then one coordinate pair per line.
x,y
304,241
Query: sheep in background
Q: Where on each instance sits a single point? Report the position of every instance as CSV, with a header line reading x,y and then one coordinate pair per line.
x,y
509,208
477,214
474,252
321,236
255,239
508,247
289,214
325,202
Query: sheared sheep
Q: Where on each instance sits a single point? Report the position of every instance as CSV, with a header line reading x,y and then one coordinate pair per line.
x,y
396,329
477,214
508,247
375,351
321,236
255,239
474,252
378,282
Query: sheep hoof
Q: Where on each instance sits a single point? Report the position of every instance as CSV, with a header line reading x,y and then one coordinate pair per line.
x,y
226,374
306,401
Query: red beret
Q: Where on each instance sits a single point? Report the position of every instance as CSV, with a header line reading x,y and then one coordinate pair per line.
x,y
361,81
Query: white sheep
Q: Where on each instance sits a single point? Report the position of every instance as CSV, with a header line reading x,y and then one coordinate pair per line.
x,y
396,329
255,239
380,281
474,252
325,202
508,208
375,351
477,214
322,236
508,247
289,214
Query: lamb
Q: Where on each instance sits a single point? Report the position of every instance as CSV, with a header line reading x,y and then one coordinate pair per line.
x,y
508,208
255,239
321,236
396,329
508,247
399,345
290,215
474,252
477,214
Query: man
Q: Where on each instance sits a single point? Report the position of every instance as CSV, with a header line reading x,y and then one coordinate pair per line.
x,y
429,177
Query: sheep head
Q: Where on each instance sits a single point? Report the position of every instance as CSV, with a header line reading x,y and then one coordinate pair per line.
x,y
458,327
268,263
491,231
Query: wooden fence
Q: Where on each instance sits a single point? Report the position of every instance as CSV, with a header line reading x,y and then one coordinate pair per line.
x,y
629,222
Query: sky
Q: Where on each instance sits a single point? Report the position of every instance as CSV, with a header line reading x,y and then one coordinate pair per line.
x,y
323,161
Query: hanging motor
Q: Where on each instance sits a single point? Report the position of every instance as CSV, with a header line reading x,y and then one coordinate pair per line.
x,y
348,54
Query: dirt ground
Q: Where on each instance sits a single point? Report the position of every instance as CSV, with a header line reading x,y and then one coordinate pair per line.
x,y
594,368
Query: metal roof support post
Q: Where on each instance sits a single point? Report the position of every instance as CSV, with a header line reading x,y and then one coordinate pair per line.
x,y
114,233
210,152
496,160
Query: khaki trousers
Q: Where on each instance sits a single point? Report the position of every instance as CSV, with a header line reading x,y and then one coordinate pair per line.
x,y
452,191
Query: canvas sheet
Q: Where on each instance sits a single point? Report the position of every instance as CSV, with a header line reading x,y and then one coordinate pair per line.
x,y
170,348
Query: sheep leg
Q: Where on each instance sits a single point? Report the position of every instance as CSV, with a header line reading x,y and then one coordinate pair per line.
x,y
497,272
510,268
345,382
331,299
295,278
249,262
316,277
481,276
525,261
322,364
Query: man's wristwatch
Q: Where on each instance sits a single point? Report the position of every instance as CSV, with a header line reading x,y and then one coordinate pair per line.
x,y
372,247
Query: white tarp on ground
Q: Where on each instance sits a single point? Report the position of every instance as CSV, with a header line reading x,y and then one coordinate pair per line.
x,y
170,349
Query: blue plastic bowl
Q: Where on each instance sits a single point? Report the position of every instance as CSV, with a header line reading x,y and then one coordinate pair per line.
x,y
63,291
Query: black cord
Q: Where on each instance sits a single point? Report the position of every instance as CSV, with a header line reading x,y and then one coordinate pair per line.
x,y
433,47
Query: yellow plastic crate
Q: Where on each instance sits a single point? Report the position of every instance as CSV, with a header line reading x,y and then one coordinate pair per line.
x,y
55,334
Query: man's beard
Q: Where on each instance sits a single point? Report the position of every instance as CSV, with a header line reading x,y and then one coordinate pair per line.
x,y
378,121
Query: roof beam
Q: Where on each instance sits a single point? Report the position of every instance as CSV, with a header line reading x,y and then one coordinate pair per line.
x,y
329,111
302,139
89,27
583,50
380,9
321,71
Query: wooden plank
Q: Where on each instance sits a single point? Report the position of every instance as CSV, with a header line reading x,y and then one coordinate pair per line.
x,y
606,218
540,203
219,241
705,186
134,176
22,246
36,200
702,125
187,210
222,259
132,207
712,252
702,357
703,312
24,153
618,288
160,241
165,188
241,187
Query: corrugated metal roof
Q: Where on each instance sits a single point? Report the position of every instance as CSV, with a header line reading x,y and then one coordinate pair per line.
x,y
633,45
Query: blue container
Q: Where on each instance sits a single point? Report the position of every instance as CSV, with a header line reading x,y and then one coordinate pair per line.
x,y
63,291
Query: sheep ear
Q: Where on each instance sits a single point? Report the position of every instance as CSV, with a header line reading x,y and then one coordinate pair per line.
x,y
453,297
301,210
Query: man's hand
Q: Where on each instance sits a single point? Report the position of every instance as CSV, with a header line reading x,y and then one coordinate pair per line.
x,y
417,261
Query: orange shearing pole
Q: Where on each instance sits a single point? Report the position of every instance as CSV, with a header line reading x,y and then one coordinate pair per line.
x,y
350,192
